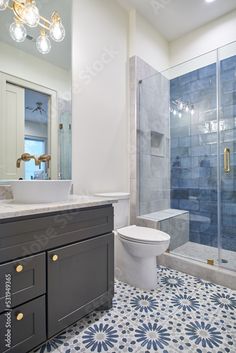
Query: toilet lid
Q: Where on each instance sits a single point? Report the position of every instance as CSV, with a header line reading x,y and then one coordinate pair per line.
x,y
143,235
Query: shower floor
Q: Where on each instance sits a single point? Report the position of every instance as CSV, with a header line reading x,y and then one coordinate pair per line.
x,y
204,252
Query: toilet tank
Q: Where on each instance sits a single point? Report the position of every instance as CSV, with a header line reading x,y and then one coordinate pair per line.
x,y
121,207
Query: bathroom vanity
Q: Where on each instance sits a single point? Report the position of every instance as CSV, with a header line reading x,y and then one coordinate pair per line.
x,y
56,266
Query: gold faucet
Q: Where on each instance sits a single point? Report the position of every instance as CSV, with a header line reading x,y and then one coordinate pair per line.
x,y
26,157
45,158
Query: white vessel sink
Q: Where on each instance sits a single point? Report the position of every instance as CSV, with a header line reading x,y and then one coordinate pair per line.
x,y
40,191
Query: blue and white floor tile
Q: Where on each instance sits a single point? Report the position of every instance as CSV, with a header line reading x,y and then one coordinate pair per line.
x,y
184,314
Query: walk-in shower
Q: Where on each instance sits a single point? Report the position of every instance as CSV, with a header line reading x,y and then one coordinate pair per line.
x,y
187,156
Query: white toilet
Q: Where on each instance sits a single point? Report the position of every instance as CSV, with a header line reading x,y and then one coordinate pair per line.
x,y
136,248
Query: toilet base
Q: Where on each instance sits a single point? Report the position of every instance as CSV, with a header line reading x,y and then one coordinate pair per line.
x,y
135,271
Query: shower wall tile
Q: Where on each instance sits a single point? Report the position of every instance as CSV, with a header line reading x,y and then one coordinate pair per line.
x,y
194,152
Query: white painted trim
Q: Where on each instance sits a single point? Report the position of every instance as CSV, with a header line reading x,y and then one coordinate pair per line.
x,y
53,121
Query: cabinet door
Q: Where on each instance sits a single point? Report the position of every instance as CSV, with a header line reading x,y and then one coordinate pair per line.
x,y
80,279
23,328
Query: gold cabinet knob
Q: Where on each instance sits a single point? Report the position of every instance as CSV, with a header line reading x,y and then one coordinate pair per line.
x,y
54,258
19,316
19,268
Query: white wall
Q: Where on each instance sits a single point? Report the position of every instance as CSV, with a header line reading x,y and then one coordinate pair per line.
x,y
210,37
100,119
151,46
18,63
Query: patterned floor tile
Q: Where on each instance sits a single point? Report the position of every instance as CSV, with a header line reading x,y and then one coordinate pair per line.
x,y
104,335
206,334
184,314
156,334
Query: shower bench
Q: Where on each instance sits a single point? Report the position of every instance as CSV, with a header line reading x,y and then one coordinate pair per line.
x,y
172,221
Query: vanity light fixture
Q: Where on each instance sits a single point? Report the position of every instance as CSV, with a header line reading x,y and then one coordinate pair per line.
x,y
26,13
209,1
178,108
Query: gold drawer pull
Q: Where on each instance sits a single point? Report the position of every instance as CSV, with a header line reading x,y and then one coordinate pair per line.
x,y
19,316
55,258
19,268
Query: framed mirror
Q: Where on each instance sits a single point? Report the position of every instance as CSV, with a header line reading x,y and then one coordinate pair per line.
x,y
35,89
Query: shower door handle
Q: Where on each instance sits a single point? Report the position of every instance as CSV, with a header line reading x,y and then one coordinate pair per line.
x,y
227,167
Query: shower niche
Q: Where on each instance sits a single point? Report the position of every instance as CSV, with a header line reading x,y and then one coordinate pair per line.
x,y
157,144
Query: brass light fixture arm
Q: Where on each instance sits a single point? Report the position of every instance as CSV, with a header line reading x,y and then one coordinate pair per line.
x,y
17,5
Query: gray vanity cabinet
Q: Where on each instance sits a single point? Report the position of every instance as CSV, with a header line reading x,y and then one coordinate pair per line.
x,y
59,267
80,279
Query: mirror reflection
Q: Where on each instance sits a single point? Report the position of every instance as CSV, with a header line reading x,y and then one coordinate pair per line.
x,y
35,89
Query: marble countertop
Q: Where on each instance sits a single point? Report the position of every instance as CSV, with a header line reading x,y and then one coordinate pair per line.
x,y
9,209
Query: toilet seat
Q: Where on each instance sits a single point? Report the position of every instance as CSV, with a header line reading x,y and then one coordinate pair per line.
x,y
143,235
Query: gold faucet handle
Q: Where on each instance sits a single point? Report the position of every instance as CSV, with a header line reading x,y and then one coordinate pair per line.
x,y
46,158
26,157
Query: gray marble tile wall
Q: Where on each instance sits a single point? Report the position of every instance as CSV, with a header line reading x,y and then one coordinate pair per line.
x,y
149,139
154,144
5,192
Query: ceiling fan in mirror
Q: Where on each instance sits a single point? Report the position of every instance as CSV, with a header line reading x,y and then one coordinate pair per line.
x,y
38,108
26,13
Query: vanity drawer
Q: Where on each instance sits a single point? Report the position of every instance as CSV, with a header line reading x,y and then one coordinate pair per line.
x,y
30,235
23,328
22,280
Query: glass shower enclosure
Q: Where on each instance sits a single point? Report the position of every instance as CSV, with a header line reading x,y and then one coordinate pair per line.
x,y
187,156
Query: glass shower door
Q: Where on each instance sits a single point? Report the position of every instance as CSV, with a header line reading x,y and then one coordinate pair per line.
x,y
227,153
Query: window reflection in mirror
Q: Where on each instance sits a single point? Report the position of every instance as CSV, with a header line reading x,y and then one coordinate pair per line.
x,y
37,115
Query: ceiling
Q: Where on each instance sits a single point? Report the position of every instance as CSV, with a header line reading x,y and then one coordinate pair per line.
x,y
60,54
175,18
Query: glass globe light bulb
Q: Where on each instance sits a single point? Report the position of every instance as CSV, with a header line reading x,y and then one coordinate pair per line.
x,y
30,14
43,43
18,31
3,4
57,31
192,110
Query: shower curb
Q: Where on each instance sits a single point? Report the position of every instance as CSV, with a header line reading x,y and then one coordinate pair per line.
x,y
215,274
